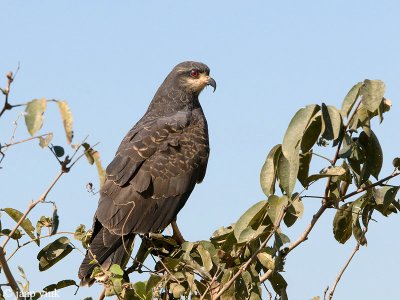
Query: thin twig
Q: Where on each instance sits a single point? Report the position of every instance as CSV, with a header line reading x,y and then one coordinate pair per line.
x,y
339,276
323,157
103,294
31,206
36,239
356,248
209,286
362,189
7,272
25,140
325,292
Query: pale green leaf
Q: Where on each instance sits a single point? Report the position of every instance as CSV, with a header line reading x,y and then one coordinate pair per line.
x,y
66,117
332,123
312,133
252,215
296,128
44,141
372,93
268,171
26,224
288,167
34,115
350,99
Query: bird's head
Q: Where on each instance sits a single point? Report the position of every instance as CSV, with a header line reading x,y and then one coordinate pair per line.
x,y
192,77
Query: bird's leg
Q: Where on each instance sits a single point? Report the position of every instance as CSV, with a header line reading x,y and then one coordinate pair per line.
x,y
177,235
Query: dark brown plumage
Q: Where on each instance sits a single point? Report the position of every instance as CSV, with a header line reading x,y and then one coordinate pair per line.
x,y
155,168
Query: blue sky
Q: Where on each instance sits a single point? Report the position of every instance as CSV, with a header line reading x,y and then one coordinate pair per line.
x,y
269,59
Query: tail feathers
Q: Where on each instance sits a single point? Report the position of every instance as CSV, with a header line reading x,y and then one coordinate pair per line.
x,y
116,250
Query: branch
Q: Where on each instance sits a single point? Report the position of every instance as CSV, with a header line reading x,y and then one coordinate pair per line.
x,y
36,239
7,272
31,206
339,276
25,140
254,255
363,189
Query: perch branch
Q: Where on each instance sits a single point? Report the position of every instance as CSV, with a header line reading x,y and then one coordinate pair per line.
x,y
7,272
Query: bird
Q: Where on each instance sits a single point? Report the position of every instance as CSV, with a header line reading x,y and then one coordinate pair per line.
x,y
154,171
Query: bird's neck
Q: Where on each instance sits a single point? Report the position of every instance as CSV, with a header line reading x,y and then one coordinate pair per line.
x,y
171,101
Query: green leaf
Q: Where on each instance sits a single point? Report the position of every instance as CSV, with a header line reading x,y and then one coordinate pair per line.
x,y
45,141
58,151
372,93
59,285
288,167
116,269
342,223
296,128
312,133
385,196
153,281
177,290
396,162
205,257
280,240
278,282
16,235
332,125
266,259
268,171
251,216
276,206
304,168
88,153
26,224
327,172
66,117
53,253
100,170
34,115
347,146
350,99
374,155
293,212
249,234
55,221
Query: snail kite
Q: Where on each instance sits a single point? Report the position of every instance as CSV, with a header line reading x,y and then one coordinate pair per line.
x,y
155,169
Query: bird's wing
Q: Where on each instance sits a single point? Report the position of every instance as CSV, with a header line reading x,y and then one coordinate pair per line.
x,y
153,174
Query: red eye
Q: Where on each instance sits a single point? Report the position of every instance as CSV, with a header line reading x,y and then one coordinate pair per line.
x,y
194,73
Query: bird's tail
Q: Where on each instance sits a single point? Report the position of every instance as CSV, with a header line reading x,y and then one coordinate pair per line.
x,y
107,249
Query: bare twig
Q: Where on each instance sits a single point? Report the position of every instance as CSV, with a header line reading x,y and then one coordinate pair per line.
x,y
339,276
103,294
6,91
7,272
325,292
362,189
36,239
25,140
357,247
323,157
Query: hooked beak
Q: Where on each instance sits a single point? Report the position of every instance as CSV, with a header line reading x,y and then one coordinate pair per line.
x,y
211,81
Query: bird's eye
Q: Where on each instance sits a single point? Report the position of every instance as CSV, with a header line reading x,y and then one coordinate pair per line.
x,y
194,73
